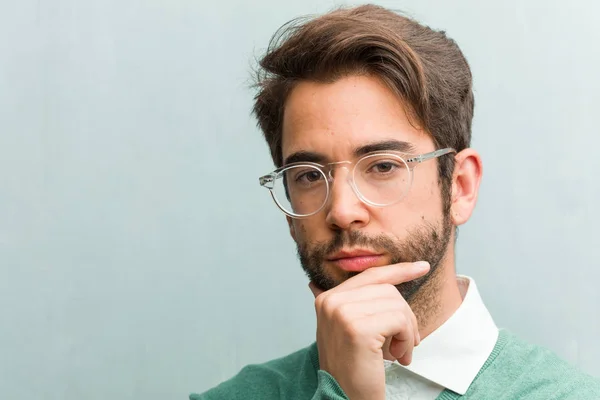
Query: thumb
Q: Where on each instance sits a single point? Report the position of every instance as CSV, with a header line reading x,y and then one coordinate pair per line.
x,y
314,289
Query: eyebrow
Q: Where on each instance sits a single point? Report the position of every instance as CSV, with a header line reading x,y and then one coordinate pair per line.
x,y
305,156
386,145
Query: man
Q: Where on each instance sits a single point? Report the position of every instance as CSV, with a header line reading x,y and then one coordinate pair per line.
x,y
368,118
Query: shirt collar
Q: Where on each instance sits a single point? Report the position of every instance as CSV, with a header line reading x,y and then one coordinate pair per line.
x,y
453,354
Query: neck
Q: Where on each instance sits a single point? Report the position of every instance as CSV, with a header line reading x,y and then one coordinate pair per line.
x,y
438,298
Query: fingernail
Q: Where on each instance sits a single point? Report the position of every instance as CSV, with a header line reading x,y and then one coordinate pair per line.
x,y
421,265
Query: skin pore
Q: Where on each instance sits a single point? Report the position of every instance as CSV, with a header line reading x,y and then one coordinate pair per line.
x,y
334,120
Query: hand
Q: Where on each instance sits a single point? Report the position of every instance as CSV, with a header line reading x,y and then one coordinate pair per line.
x,y
355,319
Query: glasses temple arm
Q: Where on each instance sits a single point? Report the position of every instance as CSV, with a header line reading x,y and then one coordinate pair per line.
x,y
428,156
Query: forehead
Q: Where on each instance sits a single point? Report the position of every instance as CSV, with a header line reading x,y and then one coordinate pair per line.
x,y
336,118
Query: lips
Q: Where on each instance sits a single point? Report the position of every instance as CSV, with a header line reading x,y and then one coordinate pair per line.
x,y
356,260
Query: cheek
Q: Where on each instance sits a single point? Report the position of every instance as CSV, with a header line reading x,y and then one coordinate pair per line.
x,y
303,230
312,230
425,196
422,205
397,220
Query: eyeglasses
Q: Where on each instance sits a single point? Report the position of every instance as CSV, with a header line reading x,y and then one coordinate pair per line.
x,y
378,179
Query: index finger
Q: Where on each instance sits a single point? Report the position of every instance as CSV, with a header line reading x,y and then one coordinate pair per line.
x,y
393,274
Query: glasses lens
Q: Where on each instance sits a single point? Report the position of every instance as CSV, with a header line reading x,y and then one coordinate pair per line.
x,y
300,190
382,179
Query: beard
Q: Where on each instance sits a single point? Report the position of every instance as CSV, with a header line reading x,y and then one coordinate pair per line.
x,y
429,242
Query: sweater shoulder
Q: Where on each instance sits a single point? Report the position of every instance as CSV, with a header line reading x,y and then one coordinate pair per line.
x,y
269,380
527,371
288,364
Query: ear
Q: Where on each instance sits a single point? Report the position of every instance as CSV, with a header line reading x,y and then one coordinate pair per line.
x,y
465,185
290,222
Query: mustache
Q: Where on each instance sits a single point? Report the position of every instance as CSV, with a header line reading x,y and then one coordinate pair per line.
x,y
341,239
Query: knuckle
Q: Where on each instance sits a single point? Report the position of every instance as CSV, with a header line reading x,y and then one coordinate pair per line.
x,y
323,302
319,301
329,305
342,312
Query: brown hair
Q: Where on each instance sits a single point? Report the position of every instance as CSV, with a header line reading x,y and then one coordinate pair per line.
x,y
425,68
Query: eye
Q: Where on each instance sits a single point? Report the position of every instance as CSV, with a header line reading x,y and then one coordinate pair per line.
x,y
383,167
308,177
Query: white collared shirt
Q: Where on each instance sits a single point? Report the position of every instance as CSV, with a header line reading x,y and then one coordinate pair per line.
x,y
451,356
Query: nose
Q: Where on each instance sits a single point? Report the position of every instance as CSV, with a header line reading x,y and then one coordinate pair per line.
x,y
344,209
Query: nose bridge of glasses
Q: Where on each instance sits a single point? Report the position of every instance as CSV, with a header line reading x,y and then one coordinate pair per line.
x,y
332,166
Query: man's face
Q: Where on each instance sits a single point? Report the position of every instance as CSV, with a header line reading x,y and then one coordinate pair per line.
x,y
347,235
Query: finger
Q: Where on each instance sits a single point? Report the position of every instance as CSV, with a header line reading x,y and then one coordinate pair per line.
x,y
406,359
386,349
368,308
392,274
389,324
365,293
402,345
314,289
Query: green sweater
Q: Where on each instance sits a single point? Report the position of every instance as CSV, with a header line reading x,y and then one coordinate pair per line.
x,y
514,370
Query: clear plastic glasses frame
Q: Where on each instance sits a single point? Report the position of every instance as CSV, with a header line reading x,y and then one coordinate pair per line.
x,y
326,170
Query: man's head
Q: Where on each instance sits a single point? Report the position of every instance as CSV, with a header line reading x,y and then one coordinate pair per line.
x,y
362,77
